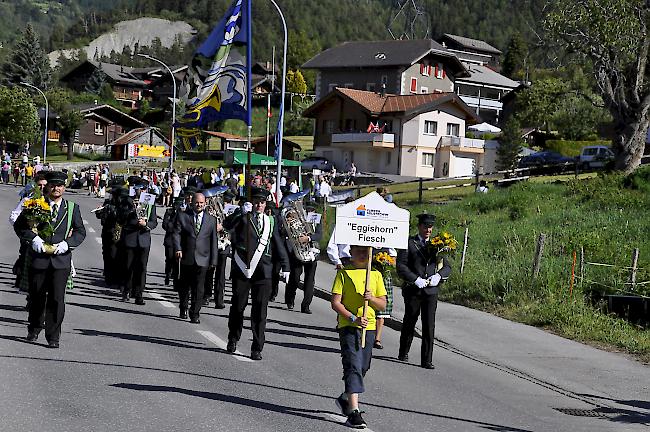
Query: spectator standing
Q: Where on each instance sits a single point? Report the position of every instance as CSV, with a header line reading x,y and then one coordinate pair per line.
x,y
293,186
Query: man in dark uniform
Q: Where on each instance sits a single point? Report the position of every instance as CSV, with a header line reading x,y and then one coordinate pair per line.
x,y
136,237
256,243
107,214
169,219
220,272
50,272
418,267
195,244
297,267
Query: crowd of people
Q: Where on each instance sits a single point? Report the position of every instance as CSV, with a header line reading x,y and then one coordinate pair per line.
x,y
211,217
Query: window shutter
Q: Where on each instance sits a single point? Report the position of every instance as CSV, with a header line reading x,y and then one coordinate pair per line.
x,y
429,70
444,73
422,66
414,85
436,71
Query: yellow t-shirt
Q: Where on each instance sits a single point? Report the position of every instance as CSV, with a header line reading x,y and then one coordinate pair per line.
x,y
350,283
29,171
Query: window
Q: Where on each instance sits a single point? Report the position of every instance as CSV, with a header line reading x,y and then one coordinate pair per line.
x,y
388,157
453,129
99,129
425,69
350,125
370,87
384,79
414,85
430,127
427,159
424,90
328,126
440,71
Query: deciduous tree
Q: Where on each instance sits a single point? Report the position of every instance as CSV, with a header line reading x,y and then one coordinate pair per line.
x,y
18,118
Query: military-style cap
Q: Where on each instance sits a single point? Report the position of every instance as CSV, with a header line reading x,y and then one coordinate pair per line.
x,y
228,196
259,194
133,180
189,190
426,219
56,178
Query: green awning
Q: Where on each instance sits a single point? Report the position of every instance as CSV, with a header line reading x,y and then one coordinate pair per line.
x,y
240,157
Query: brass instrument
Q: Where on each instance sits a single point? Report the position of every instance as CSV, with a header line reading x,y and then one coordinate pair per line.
x,y
214,206
295,223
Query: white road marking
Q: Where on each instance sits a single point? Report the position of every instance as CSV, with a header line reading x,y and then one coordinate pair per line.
x,y
91,229
85,222
340,419
161,300
220,343
98,240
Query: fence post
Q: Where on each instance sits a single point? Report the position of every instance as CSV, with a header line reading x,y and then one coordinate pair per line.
x,y
420,190
462,260
635,262
582,264
539,250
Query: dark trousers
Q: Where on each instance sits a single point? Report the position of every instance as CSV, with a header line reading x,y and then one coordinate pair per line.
x,y
220,279
170,260
356,360
413,304
275,279
109,253
191,288
297,267
136,270
260,290
47,301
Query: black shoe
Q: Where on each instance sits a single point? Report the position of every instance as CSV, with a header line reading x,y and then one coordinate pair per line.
x,y
183,314
355,420
53,344
305,311
403,357
232,346
195,321
256,355
343,405
166,280
428,366
290,306
272,299
219,306
140,302
32,336
206,302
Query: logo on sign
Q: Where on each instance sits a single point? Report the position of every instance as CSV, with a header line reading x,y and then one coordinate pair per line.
x,y
361,210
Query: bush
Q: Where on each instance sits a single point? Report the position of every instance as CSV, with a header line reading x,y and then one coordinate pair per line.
x,y
572,148
639,180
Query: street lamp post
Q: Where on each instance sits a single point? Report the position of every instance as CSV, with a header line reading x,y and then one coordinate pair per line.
x,y
284,83
47,115
171,147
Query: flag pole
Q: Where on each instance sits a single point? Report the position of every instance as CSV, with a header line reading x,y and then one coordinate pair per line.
x,y
284,83
249,122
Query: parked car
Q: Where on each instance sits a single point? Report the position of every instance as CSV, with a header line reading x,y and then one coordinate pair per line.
x,y
596,156
316,162
547,160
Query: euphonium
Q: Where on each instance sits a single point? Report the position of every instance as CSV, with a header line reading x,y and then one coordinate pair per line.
x,y
295,224
214,207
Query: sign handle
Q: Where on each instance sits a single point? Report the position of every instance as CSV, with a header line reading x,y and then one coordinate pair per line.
x,y
365,302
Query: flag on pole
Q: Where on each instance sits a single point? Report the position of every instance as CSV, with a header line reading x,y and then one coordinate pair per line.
x,y
278,135
217,85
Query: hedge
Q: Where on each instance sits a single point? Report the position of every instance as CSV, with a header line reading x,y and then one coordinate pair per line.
x,y
572,148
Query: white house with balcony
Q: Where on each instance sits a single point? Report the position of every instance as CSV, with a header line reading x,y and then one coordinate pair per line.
x,y
421,135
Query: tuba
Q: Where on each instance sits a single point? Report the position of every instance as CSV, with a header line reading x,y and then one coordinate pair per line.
x,y
295,224
214,207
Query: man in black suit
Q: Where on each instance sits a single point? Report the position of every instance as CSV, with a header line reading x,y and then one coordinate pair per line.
x,y
418,267
256,244
195,244
50,271
107,214
220,272
136,238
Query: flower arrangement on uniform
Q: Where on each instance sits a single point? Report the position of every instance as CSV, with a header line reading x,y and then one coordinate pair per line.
x,y
383,262
444,244
38,213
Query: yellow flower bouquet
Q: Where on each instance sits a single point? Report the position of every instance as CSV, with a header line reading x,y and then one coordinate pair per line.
x,y
38,214
443,244
382,262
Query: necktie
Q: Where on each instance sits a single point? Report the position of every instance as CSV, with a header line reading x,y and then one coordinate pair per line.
x,y
55,211
197,224
256,221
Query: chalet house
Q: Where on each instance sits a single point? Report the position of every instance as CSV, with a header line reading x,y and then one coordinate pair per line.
x,y
144,142
398,66
484,88
419,135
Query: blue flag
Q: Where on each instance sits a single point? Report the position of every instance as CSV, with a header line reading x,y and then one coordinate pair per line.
x,y
217,84
278,135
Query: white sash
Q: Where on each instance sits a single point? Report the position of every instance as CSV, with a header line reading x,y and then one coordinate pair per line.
x,y
259,251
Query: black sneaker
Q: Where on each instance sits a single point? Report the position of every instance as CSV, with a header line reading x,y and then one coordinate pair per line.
x,y
231,347
355,420
343,405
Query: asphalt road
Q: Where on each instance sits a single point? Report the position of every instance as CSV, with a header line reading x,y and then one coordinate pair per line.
x,y
140,368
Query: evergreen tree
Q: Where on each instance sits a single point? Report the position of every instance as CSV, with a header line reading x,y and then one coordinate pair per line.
x,y
28,62
514,63
510,144
96,81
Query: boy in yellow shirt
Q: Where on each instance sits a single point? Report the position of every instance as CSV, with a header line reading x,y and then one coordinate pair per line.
x,y
348,295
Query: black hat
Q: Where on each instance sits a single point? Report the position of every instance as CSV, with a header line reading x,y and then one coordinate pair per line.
x,y
117,182
189,190
121,192
259,194
56,178
426,219
228,196
143,183
133,180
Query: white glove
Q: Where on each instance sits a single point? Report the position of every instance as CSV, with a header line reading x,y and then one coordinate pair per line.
x,y
420,283
247,207
61,248
434,280
37,244
284,276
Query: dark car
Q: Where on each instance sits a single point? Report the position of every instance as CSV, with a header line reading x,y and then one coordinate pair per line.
x,y
549,160
316,162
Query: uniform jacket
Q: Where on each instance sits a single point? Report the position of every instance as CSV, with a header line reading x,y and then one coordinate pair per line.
x,y
134,235
240,224
168,223
74,237
201,249
419,261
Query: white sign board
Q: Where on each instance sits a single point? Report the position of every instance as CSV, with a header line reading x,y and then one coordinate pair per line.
x,y
229,209
371,221
314,218
147,198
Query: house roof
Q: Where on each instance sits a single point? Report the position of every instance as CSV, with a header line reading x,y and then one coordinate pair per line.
x,y
474,44
117,73
376,104
484,75
292,144
224,135
377,54
111,113
136,133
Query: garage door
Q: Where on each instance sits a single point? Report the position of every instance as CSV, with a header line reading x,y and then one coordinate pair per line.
x,y
463,166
